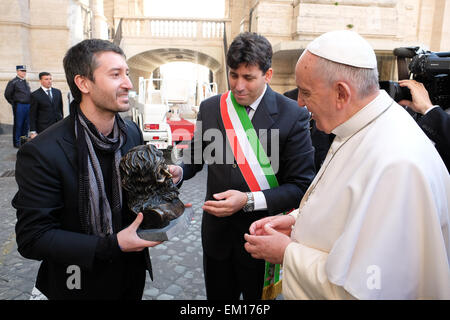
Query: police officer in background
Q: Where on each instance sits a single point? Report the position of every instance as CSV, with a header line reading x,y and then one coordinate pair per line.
x,y
18,94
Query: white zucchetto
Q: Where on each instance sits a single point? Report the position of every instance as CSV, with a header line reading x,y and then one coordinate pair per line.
x,y
346,47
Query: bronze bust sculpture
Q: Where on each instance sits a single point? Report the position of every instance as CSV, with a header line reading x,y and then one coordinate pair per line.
x,y
149,187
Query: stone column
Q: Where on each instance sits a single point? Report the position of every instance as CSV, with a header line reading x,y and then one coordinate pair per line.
x,y
237,11
440,35
99,22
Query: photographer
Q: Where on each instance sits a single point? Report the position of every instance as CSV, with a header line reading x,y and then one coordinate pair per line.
x,y
435,122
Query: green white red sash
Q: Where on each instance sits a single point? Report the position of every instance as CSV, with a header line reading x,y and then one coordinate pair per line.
x,y
247,149
254,165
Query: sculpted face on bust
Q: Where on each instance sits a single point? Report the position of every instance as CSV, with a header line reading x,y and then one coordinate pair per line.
x,y
150,189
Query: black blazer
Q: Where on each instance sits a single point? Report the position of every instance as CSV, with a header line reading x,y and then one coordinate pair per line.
x,y
436,125
43,111
48,224
283,119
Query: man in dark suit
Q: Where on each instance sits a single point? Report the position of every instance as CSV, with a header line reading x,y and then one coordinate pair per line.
x,y
71,212
433,120
231,204
320,140
46,105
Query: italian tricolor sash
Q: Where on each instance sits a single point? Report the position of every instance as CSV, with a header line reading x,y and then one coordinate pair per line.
x,y
255,167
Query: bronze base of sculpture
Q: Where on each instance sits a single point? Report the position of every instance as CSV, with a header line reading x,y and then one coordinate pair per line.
x,y
175,228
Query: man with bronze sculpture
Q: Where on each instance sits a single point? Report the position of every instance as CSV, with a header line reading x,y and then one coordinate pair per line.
x,y
71,211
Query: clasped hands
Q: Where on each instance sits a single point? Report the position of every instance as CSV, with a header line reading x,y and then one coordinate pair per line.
x,y
269,238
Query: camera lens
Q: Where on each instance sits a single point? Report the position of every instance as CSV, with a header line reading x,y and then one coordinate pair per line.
x,y
395,91
403,93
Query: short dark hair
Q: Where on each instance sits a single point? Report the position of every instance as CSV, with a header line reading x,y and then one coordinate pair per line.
x,y
81,60
43,74
252,49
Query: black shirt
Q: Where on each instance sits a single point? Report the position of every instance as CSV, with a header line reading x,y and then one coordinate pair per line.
x,y
108,247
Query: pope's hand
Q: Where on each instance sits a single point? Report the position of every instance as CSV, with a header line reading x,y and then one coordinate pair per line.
x,y
281,224
269,247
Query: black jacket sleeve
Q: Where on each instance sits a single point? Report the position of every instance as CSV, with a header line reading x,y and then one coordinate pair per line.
x,y
60,104
9,92
40,206
193,158
33,113
436,125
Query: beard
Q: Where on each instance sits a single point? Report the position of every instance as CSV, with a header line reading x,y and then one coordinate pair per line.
x,y
113,103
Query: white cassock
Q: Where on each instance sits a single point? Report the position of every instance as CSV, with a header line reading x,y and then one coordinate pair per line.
x,y
376,224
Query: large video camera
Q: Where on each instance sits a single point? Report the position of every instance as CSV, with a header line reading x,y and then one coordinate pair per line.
x,y
430,68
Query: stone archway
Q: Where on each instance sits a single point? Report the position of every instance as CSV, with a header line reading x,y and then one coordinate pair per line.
x,y
142,64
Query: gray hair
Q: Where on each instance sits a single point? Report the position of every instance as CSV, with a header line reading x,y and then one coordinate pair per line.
x,y
365,80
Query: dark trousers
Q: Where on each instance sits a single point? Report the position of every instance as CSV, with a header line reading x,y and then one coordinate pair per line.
x,y
227,279
21,122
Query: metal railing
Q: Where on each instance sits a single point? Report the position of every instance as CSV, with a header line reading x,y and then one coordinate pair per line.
x,y
188,28
175,28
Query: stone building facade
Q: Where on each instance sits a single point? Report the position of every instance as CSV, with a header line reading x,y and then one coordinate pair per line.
x,y
386,24
37,33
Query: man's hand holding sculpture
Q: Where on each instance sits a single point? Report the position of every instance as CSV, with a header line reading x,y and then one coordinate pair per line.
x,y
152,195
129,240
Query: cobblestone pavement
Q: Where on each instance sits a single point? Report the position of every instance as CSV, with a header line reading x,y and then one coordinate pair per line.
x,y
177,264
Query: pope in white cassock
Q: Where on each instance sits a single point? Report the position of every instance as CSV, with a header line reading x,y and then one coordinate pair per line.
x,y
374,224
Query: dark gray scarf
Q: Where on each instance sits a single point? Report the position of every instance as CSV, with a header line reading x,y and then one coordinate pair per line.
x,y
95,211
